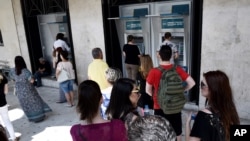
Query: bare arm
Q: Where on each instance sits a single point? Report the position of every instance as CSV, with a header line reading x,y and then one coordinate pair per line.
x,y
124,54
188,130
190,83
176,55
149,89
6,89
57,73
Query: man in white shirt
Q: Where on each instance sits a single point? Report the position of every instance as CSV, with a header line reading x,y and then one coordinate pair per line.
x,y
173,46
59,45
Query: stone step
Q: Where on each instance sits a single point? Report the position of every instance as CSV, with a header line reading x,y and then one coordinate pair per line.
x,y
49,81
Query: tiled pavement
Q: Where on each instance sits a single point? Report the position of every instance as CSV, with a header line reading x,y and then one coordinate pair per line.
x,y
57,125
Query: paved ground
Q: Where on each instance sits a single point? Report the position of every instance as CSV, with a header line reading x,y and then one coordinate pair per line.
x,y
57,125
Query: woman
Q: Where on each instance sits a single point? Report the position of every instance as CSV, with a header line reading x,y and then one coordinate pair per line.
x,y
93,127
66,86
112,74
145,66
131,54
123,101
32,104
213,122
4,107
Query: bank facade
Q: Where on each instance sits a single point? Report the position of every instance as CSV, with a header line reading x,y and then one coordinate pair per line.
x,y
215,34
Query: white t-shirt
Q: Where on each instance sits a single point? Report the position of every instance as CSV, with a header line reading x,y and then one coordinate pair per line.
x,y
173,47
61,43
68,67
106,94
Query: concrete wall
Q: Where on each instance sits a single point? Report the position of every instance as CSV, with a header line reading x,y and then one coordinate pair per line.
x,y
87,32
225,46
13,33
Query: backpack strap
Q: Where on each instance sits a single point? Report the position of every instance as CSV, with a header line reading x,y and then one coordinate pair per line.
x,y
162,69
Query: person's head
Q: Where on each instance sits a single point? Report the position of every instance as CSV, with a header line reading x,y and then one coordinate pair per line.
x,y
146,64
42,60
3,135
97,53
152,127
167,35
89,100
130,38
64,55
215,86
59,36
19,64
124,98
113,74
165,52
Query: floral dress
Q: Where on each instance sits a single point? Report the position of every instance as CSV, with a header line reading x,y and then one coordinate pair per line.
x,y
32,104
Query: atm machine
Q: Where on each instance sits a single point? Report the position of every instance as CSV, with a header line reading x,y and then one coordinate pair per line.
x,y
148,22
132,20
172,17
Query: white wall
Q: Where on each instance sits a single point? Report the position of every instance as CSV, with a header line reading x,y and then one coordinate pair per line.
x,y
225,46
87,32
13,33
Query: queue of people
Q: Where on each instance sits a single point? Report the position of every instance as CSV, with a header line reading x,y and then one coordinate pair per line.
x,y
112,107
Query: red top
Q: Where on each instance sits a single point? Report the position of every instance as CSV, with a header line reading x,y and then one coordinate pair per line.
x,y
154,77
109,131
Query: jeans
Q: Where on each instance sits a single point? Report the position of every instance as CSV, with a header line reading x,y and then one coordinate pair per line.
x,y
38,75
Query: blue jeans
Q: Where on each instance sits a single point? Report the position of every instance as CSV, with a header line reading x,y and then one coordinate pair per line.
x,y
38,75
67,86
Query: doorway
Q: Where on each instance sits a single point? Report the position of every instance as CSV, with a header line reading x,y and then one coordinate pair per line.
x,y
43,19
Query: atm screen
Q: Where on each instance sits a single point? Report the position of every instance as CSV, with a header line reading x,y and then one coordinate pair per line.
x,y
138,40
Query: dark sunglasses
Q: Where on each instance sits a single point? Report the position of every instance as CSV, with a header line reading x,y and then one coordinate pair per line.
x,y
203,85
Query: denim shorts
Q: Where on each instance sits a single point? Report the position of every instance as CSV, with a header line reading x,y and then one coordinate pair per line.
x,y
67,86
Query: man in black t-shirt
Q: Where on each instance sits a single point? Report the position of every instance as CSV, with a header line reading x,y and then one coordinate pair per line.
x,y
44,69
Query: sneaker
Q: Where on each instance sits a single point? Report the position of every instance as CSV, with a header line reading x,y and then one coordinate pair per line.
x,y
68,105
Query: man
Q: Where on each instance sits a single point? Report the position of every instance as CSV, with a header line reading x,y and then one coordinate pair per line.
x,y
152,85
58,46
167,41
97,68
44,69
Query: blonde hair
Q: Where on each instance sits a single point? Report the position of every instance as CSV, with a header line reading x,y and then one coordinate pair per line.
x,y
146,65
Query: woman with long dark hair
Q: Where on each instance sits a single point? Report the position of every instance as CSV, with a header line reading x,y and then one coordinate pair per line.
x,y
213,122
123,101
93,127
32,104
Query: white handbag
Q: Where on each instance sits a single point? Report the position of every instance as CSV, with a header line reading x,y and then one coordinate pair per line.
x,y
63,76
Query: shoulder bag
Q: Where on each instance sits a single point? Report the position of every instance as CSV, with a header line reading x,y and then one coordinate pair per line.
x,y
63,76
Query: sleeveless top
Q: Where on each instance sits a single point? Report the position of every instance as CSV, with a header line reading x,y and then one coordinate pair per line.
x,y
208,127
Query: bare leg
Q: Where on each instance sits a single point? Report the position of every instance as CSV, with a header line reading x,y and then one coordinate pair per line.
x,y
67,95
179,138
71,93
